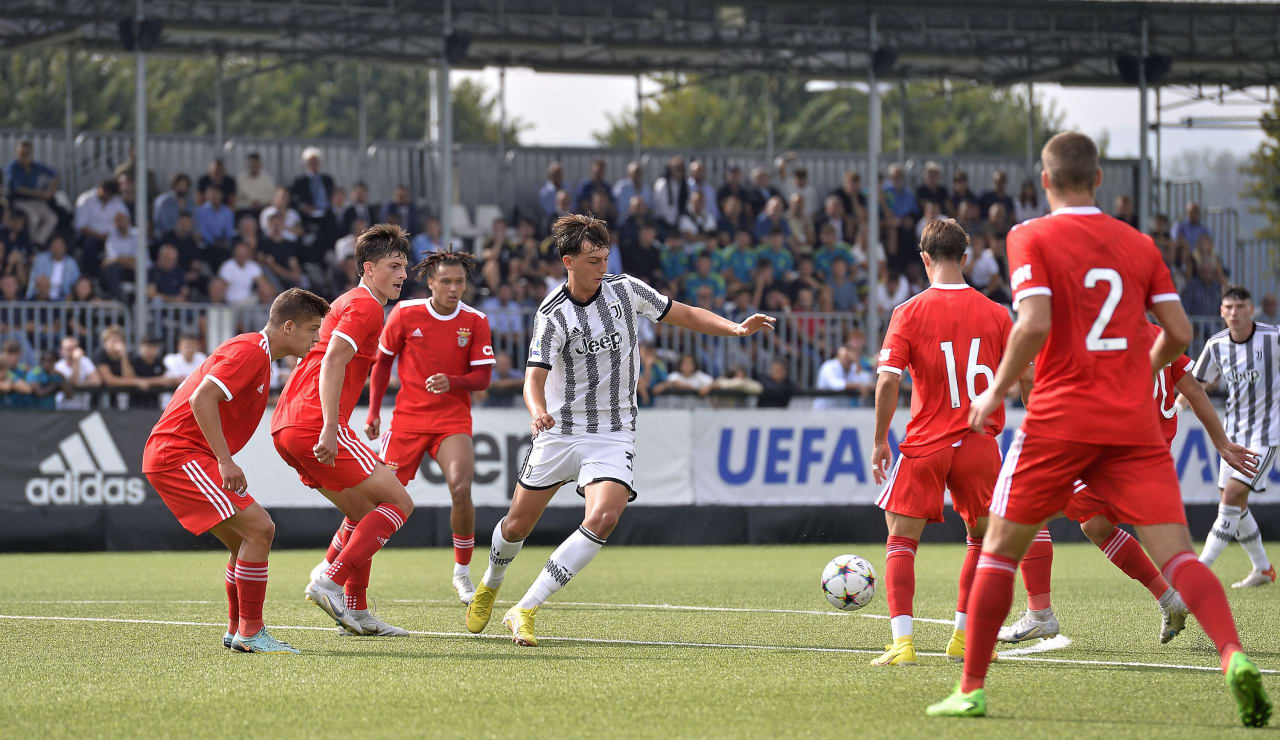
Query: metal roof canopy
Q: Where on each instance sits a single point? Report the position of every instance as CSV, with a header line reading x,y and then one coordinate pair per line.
x,y
1071,42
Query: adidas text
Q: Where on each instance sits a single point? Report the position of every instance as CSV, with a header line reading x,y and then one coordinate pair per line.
x,y
89,488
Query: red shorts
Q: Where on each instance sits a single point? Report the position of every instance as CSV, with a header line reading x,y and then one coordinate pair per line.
x,y
968,470
194,493
353,464
403,451
1130,484
1085,505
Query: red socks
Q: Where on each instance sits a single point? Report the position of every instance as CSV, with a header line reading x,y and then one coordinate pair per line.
x,y
339,540
371,533
1037,571
251,585
1123,550
358,585
1202,591
233,600
463,545
989,603
972,552
900,574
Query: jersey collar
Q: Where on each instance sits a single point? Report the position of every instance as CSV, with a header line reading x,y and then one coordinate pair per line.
x,y
587,302
950,286
369,291
1077,211
1252,330
266,343
441,317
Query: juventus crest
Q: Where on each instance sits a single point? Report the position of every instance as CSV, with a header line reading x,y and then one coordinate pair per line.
x,y
615,308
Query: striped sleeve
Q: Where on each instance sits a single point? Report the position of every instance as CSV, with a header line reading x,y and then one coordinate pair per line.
x,y
648,302
1207,368
545,343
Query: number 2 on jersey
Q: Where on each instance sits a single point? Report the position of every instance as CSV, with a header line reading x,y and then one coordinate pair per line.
x,y
1093,341
972,371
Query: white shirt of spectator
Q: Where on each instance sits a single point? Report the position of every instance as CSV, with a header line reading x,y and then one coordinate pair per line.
x,y
901,292
121,245
984,268
73,401
92,213
694,225
697,381
833,377
344,248
176,367
291,221
1026,211
55,279
241,280
258,189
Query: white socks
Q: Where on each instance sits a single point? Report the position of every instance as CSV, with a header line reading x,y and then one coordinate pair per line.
x,y
901,626
1251,540
567,561
962,619
1223,532
501,553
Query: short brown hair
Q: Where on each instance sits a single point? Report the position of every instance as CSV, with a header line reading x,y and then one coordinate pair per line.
x,y
944,239
1237,293
379,241
569,233
296,305
1071,159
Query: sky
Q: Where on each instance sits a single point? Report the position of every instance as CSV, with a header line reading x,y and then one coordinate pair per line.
x,y
1090,110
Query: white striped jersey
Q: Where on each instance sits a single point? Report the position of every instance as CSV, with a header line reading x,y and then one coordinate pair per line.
x,y
1251,372
591,351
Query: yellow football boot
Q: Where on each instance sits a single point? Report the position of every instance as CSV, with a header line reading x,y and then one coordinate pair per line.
x,y
480,610
520,622
901,652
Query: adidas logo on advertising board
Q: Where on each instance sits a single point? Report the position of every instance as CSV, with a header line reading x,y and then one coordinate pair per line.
x,y
87,469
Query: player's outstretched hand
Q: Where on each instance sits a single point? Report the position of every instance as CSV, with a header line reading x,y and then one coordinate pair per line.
x,y
540,423
438,383
1240,458
232,477
753,324
326,449
982,408
881,458
371,427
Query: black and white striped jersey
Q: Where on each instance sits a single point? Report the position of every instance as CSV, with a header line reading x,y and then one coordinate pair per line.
x,y
1251,373
591,351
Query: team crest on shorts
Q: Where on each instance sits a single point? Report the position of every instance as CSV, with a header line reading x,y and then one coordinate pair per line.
x,y
464,336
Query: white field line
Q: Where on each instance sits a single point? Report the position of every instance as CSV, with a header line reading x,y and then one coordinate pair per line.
x,y
1057,642
645,643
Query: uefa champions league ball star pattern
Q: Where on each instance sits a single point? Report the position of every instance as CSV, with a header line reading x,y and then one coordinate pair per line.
x,y
849,582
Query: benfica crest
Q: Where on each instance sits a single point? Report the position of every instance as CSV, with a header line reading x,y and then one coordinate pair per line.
x,y
464,336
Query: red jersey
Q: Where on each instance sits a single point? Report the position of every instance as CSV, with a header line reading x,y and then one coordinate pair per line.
x,y
1165,392
241,368
1093,375
427,343
950,338
355,318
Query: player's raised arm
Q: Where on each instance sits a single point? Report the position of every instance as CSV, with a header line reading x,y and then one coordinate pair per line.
x,y
1035,317
1237,456
706,322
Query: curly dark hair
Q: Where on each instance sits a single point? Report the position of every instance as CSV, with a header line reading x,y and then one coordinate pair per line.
x,y
434,261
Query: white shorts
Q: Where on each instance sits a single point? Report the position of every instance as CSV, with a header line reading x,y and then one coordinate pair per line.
x,y
556,459
1257,484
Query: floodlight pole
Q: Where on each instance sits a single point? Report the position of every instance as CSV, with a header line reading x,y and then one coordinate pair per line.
x,y
362,110
140,180
768,118
219,131
1159,157
902,122
69,127
503,200
1031,129
446,134
1144,164
639,142
873,193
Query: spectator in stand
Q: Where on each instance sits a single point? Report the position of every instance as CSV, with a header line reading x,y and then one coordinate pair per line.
x,y
129,166
733,187
563,206
842,289
45,382
652,373
148,368
776,387
801,186
960,193
686,377
806,278
312,194
852,199
495,255
901,203
637,215
506,317
767,290
129,194
215,221
279,256
82,377
632,186
1189,230
846,374
113,363
56,265
698,184
95,219
670,196
193,258
1205,254
10,289
242,275
1202,294
997,194
247,231
43,290
13,260
166,280
360,208
696,219
772,219
1028,205
834,213
217,177
932,212
15,237
738,259
121,255
1123,210
1267,312
187,359
255,187
428,242
593,184
703,277
168,205
803,237
733,216
547,193
342,276
644,260
775,250
892,290
997,225
967,217
602,208
505,384
31,187
15,392
402,205
760,192
932,190
293,228
346,246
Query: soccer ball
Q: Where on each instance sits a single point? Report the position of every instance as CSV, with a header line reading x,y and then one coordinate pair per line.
x,y
849,582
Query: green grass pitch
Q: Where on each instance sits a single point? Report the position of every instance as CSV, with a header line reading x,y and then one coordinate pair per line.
x,y
753,673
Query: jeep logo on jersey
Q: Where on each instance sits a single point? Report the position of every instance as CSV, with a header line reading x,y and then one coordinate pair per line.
x,y
1242,377
464,336
587,346
86,469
